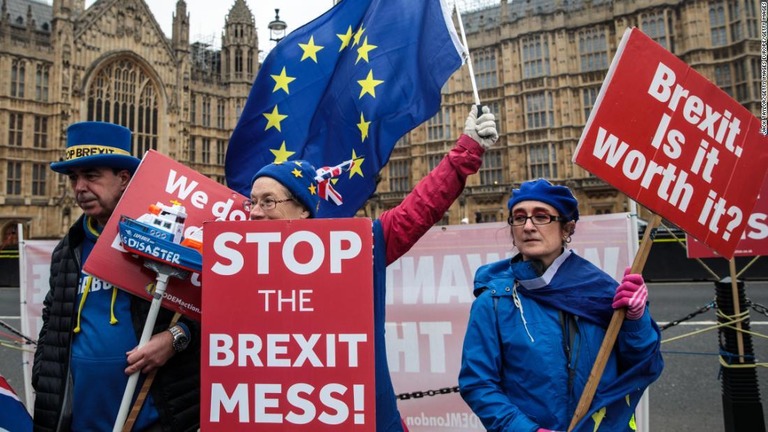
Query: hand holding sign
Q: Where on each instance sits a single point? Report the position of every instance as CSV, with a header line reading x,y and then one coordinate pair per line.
x,y
690,151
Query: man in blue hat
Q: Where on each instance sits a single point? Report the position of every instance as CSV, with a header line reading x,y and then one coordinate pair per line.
x,y
87,346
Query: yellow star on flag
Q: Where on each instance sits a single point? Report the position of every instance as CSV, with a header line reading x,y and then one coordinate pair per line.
x,y
310,49
312,189
282,81
358,167
345,38
358,35
274,118
282,154
368,85
296,173
362,52
363,126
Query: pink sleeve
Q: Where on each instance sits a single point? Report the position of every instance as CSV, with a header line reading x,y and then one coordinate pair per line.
x,y
405,224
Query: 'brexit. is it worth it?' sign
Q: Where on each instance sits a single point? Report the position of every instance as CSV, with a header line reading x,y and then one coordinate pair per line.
x,y
670,139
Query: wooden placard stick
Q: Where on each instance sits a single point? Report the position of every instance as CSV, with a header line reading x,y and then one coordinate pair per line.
x,y
613,328
144,391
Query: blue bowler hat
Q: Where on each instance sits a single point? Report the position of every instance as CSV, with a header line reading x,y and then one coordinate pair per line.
x,y
97,144
559,197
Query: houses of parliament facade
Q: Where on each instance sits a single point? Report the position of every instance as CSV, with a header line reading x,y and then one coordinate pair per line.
x,y
538,65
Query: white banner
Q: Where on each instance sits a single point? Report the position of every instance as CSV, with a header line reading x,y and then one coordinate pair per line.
x,y
34,269
429,296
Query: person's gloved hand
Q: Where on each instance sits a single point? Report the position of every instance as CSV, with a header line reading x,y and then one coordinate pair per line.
x,y
482,129
631,294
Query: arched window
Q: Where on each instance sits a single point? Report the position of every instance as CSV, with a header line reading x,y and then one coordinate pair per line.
x,y
238,63
18,71
10,236
121,92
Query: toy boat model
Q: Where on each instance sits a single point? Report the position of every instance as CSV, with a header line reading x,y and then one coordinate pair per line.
x,y
158,236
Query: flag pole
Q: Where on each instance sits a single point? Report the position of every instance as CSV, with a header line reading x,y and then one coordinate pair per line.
x,y
613,328
469,59
164,272
144,391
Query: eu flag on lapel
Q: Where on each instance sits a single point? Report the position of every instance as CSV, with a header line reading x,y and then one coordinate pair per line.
x,y
346,86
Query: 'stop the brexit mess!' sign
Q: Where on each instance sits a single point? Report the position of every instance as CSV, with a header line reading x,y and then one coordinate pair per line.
x,y
673,141
287,334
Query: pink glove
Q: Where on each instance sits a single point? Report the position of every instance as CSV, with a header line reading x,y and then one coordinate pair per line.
x,y
544,430
631,294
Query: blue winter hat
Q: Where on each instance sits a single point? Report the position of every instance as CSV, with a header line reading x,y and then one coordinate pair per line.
x,y
97,144
298,176
559,197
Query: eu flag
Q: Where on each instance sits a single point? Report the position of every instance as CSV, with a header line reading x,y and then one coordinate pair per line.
x,y
346,86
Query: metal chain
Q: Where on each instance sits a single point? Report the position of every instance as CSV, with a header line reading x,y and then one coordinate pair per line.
x,y
17,333
757,307
420,394
713,304
703,309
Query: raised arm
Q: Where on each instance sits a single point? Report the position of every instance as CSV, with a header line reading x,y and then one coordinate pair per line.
x,y
405,224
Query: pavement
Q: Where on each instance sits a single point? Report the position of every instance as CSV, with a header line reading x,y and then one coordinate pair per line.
x,y
687,397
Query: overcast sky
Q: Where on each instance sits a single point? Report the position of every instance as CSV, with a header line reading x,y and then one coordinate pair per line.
x,y
207,16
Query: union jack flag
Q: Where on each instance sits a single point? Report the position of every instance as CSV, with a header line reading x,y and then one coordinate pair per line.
x,y
325,177
13,415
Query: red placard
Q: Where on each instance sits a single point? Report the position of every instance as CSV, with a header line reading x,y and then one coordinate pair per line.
x,y
673,141
161,179
754,241
288,327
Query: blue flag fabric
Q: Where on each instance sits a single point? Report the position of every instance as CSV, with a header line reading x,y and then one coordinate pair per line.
x,y
345,86
13,416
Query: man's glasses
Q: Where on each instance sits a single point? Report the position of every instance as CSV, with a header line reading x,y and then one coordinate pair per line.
x,y
537,219
266,204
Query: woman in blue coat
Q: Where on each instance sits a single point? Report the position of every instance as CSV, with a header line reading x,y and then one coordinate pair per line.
x,y
537,324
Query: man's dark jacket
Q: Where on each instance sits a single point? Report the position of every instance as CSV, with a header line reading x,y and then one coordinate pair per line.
x,y
176,387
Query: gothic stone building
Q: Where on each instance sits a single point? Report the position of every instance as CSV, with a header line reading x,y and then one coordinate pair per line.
x,y
538,64
63,63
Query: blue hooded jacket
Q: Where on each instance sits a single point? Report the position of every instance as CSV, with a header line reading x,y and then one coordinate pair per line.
x,y
531,343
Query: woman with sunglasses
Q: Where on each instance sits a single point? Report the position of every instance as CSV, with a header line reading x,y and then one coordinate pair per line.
x,y
537,324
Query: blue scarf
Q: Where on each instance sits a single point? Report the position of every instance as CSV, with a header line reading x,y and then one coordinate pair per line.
x,y
574,285
571,285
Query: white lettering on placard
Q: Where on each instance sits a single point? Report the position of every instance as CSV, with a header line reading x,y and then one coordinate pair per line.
x,y
341,246
283,350
665,89
757,228
274,403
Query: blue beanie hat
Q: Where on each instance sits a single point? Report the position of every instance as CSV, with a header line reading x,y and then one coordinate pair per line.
x,y
559,197
298,176
97,144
